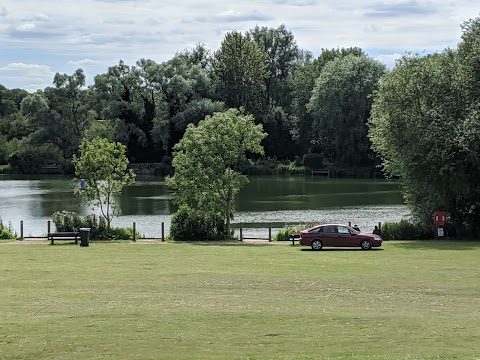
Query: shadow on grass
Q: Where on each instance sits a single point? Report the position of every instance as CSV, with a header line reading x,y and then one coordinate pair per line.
x,y
341,249
437,244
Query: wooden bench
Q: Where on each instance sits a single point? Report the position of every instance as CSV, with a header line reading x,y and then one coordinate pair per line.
x,y
63,236
293,238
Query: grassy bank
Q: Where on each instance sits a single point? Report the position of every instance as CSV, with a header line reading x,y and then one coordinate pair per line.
x,y
188,301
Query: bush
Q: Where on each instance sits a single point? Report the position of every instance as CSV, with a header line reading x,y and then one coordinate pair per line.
x,y
71,221
7,232
313,160
406,230
189,224
31,160
284,234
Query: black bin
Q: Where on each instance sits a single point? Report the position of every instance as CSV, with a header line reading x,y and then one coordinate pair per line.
x,y
84,236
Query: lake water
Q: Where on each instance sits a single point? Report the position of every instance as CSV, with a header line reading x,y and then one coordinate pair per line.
x,y
265,201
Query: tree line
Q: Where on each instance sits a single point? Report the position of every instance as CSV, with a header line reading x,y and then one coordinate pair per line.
x,y
418,122
307,105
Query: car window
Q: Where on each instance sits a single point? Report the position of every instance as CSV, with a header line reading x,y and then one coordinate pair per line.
x,y
342,230
328,229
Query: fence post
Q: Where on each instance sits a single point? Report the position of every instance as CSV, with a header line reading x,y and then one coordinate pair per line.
x,y
349,223
163,231
134,232
379,225
48,227
21,230
270,233
241,232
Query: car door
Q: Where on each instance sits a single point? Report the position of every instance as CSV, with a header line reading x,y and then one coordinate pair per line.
x,y
345,237
329,235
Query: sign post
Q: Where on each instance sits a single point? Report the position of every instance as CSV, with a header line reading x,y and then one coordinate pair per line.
x,y
440,218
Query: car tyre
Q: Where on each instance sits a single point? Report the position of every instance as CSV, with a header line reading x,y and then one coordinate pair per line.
x,y
316,245
366,244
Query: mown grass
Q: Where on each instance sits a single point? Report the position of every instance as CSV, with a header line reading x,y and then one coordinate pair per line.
x,y
186,301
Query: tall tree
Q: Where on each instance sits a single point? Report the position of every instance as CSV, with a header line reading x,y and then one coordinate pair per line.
x,y
206,160
422,132
340,106
59,116
303,83
239,71
282,55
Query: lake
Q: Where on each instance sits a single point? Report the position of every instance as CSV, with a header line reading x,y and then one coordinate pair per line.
x,y
265,201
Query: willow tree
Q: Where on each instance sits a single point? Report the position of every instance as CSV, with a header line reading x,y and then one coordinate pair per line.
x,y
206,162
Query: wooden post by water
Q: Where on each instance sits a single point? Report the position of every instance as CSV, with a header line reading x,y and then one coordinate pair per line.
x,y
48,227
270,233
349,223
241,232
134,232
163,231
21,230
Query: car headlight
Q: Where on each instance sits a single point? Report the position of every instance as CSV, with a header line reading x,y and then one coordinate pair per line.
x,y
378,238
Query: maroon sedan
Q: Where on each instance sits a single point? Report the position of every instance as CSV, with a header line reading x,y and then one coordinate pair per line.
x,y
338,235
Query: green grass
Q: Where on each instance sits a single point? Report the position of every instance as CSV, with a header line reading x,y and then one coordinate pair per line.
x,y
187,301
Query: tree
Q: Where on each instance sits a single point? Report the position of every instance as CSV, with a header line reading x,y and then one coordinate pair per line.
x,y
304,78
423,133
240,70
103,166
282,55
59,116
206,161
340,107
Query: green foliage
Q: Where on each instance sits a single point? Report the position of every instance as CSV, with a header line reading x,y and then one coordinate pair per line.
x,y
240,71
340,106
425,128
71,221
406,230
313,160
7,232
103,165
271,167
206,162
31,160
284,234
190,224
59,115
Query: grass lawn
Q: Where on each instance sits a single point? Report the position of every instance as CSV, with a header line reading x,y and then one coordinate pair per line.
x,y
186,301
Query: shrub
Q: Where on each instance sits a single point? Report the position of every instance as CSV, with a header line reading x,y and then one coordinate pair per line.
x,y
31,160
6,232
71,221
284,234
406,230
189,224
313,160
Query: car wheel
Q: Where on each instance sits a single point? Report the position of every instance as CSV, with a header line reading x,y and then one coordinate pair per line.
x,y
316,245
366,244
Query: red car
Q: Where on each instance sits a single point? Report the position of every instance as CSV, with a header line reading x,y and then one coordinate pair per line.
x,y
338,235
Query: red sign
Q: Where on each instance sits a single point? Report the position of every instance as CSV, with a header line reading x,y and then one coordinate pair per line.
x,y
439,218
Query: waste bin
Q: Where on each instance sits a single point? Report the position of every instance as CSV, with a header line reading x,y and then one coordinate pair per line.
x,y
84,236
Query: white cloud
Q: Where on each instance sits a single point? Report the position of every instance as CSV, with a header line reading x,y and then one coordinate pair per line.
x,y
389,59
30,77
26,27
130,30
84,62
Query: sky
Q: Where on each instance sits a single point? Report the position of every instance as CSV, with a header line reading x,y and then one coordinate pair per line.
x,y
39,38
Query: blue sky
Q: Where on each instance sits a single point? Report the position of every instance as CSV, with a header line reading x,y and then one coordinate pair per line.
x,y
41,37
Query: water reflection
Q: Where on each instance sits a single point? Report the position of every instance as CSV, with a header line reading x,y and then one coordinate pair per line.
x,y
264,201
